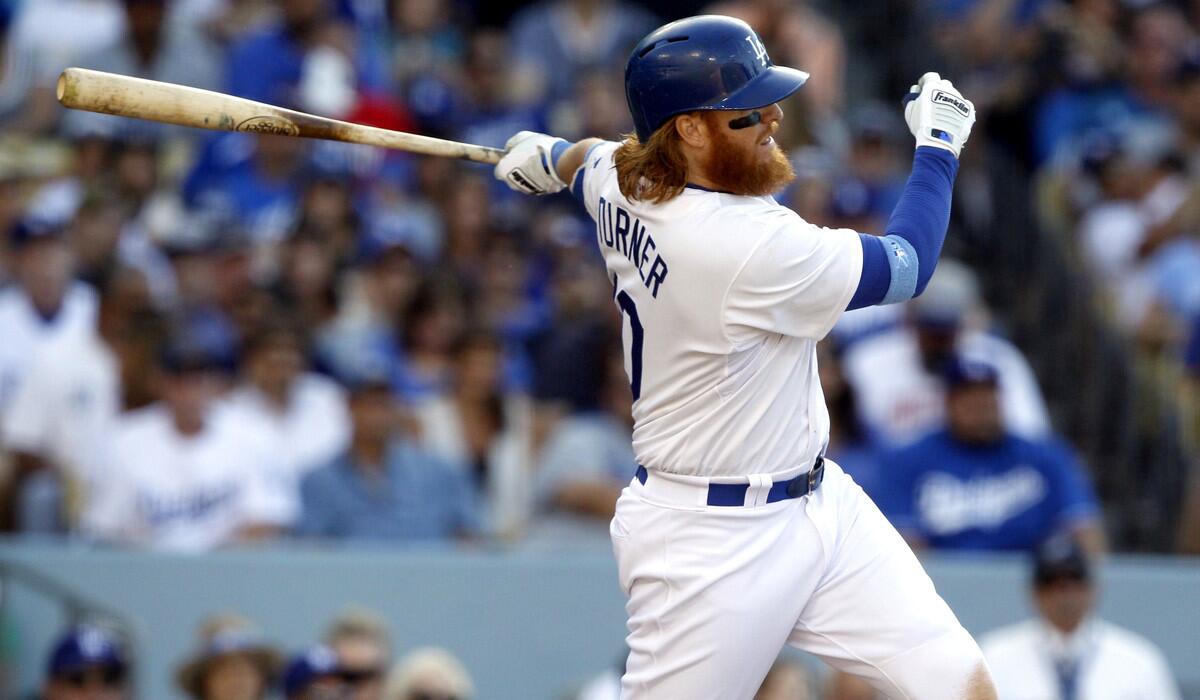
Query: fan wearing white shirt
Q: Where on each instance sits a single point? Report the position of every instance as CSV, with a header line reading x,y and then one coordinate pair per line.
x,y
1067,653
304,415
45,307
62,411
181,476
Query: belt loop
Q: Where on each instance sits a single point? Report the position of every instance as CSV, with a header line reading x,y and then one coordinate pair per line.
x,y
760,486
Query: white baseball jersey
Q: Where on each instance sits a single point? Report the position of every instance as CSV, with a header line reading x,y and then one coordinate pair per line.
x,y
24,335
161,489
724,298
65,406
1113,663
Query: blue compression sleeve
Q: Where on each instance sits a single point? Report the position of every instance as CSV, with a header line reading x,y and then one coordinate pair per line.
x,y
915,233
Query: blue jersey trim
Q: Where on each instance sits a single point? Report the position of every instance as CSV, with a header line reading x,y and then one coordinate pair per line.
x,y
876,274
904,264
577,185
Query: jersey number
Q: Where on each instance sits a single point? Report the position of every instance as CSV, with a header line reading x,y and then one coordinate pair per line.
x,y
635,350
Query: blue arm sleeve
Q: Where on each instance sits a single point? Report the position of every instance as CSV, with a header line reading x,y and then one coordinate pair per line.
x,y
915,233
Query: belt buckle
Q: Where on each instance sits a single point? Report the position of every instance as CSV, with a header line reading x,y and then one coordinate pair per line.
x,y
807,483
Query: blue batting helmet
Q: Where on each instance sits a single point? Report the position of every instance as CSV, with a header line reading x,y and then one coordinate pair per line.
x,y
705,62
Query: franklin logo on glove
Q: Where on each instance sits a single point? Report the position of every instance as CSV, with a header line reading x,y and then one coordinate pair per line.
x,y
947,98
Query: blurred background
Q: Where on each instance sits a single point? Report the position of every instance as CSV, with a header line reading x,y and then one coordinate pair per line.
x,y
289,418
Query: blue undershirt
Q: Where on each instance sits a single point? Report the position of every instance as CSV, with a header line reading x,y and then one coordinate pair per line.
x,y
915,234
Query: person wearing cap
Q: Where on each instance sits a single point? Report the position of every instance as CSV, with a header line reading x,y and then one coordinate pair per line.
x,y
314,674
896,373
232,662
181,476
386,487
1066,652
975,485
87,663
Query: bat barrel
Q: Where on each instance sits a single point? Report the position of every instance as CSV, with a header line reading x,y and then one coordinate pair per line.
x,y
125,96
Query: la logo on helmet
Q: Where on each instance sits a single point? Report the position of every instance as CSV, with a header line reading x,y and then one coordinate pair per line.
x,y
760,51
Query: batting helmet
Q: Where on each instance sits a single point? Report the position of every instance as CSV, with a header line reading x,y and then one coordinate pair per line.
x,y
705,62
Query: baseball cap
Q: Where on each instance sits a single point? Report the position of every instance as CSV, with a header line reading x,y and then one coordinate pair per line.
x,y
312,664
1060,557
961,371
84,647
34,230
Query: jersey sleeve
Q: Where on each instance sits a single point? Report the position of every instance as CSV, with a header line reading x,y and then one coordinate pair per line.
x,y
590,177
796,282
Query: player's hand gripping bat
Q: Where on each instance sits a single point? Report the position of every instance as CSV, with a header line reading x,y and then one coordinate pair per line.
x,y
121,95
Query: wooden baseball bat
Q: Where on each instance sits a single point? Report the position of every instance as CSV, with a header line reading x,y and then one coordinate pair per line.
x,y
122,95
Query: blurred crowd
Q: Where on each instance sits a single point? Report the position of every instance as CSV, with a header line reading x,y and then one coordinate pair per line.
x,y
217,338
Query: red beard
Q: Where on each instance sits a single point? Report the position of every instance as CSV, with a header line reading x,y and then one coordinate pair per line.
x,y
740,170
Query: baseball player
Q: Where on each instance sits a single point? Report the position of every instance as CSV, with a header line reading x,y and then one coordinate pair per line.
x,y
736,536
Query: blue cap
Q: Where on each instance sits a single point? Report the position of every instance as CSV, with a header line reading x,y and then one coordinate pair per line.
x,y
314,663
709,62
33,229
963,372
86,646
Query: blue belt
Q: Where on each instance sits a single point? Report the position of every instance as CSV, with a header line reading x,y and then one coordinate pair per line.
x,y
735,494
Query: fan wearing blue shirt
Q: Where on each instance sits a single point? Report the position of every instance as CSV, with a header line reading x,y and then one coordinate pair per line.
x,y
973,486
385,488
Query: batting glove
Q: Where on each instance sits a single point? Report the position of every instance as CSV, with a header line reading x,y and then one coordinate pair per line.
x,y
528,164
937,114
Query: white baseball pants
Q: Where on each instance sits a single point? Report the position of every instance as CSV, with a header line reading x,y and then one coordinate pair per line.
x,y
716,591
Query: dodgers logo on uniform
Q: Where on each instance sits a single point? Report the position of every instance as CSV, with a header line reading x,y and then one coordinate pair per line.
x,y
760,51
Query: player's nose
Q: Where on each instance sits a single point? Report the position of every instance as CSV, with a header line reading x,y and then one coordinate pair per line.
x,y
774,113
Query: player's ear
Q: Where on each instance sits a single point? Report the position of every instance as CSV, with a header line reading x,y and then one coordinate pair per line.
x,y
692,129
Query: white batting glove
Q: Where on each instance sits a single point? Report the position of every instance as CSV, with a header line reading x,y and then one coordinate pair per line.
x,y
527,165
937,114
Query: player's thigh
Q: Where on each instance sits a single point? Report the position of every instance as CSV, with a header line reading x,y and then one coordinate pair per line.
x,y
876,613
713,595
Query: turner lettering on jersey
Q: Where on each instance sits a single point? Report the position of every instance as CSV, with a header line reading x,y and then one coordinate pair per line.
x,y
618,230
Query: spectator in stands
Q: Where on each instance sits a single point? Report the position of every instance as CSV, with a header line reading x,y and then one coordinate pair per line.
x,y
585,462
365,334
179,475
232,662
427,673
476,426
363,647
787,680
303,414
151,48
314,674
975,485
88,663
1068,652
906,401
557,41
433,326
62,413
44,306
385,487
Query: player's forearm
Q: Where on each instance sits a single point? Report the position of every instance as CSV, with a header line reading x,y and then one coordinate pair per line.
x,y
897,266
570,159
922,215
